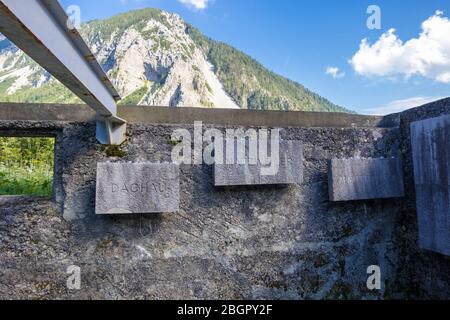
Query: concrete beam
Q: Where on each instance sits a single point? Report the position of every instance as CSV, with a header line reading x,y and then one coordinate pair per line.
x,y
165,115
40,28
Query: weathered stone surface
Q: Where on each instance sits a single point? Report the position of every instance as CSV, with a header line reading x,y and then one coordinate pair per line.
x,y
290,169
430,141
125,188
244,243
362,179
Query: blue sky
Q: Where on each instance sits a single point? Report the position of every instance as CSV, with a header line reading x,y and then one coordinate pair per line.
x,y
317,43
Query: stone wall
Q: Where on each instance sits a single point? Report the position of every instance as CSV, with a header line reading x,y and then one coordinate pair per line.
x,y
427,274
225,243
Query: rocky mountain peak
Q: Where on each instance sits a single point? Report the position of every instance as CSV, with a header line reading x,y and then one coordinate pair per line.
x,y
154,58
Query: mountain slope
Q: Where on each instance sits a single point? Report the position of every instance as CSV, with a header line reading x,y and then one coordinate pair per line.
x,y
252,85
155,58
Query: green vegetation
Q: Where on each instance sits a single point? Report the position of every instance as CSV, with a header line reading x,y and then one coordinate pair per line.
x,y
161,43
51,92
149,33
188,51
254,87
121,22
174,142
24,61
165,44
135,97
5,84
26,166
114,72
248,83
114,151
208,87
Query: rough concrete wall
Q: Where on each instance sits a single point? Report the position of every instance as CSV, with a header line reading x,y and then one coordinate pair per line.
x,y
425,274
225,243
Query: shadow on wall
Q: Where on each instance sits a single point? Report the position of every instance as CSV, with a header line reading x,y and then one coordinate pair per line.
x,y
230,243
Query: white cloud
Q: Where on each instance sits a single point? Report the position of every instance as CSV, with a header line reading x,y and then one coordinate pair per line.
x,y
196,4
334,72
428,55
400,105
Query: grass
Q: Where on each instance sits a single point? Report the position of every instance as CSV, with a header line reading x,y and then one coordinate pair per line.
x,y
26,166
26,181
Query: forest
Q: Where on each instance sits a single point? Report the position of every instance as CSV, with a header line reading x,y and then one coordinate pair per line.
x,y
26,165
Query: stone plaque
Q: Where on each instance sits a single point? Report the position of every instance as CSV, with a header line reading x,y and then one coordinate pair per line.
x,y
126,188
290,169
430,141
362,179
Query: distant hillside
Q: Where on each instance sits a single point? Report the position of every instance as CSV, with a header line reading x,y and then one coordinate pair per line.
x,y
254,87
155,58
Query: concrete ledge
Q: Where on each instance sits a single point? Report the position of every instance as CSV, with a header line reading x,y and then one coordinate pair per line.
x,y
166,115
140,114
45,112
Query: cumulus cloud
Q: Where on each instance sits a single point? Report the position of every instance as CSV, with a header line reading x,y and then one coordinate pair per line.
x,y
400,105
428,55
334,72
196,4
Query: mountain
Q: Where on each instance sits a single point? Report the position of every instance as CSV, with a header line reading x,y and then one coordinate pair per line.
x,y
155,58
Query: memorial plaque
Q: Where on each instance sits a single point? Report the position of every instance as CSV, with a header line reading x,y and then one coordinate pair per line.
x,y
289,170
362,179
127,188
430,141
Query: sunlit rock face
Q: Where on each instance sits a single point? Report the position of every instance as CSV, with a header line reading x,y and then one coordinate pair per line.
x,y
154,58
150,59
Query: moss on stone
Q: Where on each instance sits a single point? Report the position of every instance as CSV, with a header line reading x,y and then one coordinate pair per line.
x,y
114,151
174,142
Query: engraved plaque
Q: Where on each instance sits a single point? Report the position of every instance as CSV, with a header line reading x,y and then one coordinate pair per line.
x,y
289,170
127,188
363,179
